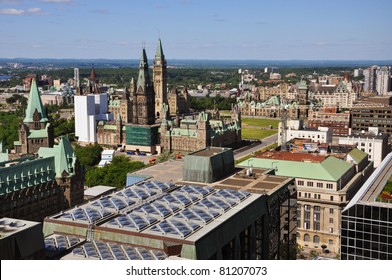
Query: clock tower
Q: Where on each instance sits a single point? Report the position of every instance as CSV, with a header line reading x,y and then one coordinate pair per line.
x,y
159,79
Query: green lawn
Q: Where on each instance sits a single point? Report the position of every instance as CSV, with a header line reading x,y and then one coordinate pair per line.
x,y
257,134
260,122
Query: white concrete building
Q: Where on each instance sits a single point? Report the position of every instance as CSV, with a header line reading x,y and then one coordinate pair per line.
x,y
89,109
373,143
294,130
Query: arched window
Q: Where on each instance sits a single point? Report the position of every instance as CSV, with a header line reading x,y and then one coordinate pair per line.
x,y
316,239
306,238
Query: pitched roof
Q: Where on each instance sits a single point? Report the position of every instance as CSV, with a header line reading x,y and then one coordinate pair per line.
x,y
64,154
144,75
330,169
159,53
35,103
357,155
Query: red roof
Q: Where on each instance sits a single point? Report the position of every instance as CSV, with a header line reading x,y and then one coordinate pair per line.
x,y
292,156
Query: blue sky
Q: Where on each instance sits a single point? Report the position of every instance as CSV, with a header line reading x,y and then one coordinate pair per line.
x,y
197,29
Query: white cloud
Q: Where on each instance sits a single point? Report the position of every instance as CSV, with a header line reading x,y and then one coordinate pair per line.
x,y
11,12
29,11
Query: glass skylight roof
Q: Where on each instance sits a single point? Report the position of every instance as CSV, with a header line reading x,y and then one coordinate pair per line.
x,y
88,214
169,209
111,251
60,243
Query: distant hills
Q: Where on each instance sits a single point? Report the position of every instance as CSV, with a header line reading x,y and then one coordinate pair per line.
x,y
195,63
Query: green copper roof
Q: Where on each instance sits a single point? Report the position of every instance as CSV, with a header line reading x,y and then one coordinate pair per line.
x,y
35,103
330,169
144,75
159,54
357,155
302,85
64,155
40,133
26,172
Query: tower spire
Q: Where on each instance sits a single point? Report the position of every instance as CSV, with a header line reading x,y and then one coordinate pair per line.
x,y
35,104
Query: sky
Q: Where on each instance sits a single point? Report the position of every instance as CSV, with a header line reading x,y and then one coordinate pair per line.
x,y
197,29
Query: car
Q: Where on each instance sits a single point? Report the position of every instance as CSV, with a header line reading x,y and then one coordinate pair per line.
x,y
142,154
131,153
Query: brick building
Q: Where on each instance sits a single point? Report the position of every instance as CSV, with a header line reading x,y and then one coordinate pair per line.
x,y
329,117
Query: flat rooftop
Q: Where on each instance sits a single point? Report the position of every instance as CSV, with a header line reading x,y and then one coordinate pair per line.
x,y
283,155
259,181
209,151
98,190
168,171
369,192
10,226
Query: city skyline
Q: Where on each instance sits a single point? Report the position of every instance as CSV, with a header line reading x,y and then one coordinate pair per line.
x,y
260,30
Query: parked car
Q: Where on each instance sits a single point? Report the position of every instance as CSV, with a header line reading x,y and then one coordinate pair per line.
x,y
131,153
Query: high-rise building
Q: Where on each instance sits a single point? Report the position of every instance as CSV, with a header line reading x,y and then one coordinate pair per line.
x,y
383,80
367,219
76,77
159,79
370,79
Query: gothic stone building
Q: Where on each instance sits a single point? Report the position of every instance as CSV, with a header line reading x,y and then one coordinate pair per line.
x,y
35,131
33,187
196,134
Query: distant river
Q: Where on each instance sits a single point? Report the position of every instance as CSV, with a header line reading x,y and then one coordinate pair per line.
x,y
3,78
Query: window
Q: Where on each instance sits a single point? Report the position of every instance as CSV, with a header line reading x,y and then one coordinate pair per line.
x,y
319,196
307,207
316,239
330,242
330,210
329,186
331,230
306,237
300,183
331,198
299,194
331,220
315,196
309,184
316,226
319,185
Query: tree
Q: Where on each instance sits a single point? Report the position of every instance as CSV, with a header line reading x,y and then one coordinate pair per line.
x,y
89,155
9,127
113,174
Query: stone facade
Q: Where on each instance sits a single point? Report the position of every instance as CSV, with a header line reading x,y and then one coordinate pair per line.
x,y
201,132
35,130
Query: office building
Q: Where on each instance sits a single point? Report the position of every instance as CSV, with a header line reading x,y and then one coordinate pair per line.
x,y
339,122
373,112
324,184
372,142
189,221
367,219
